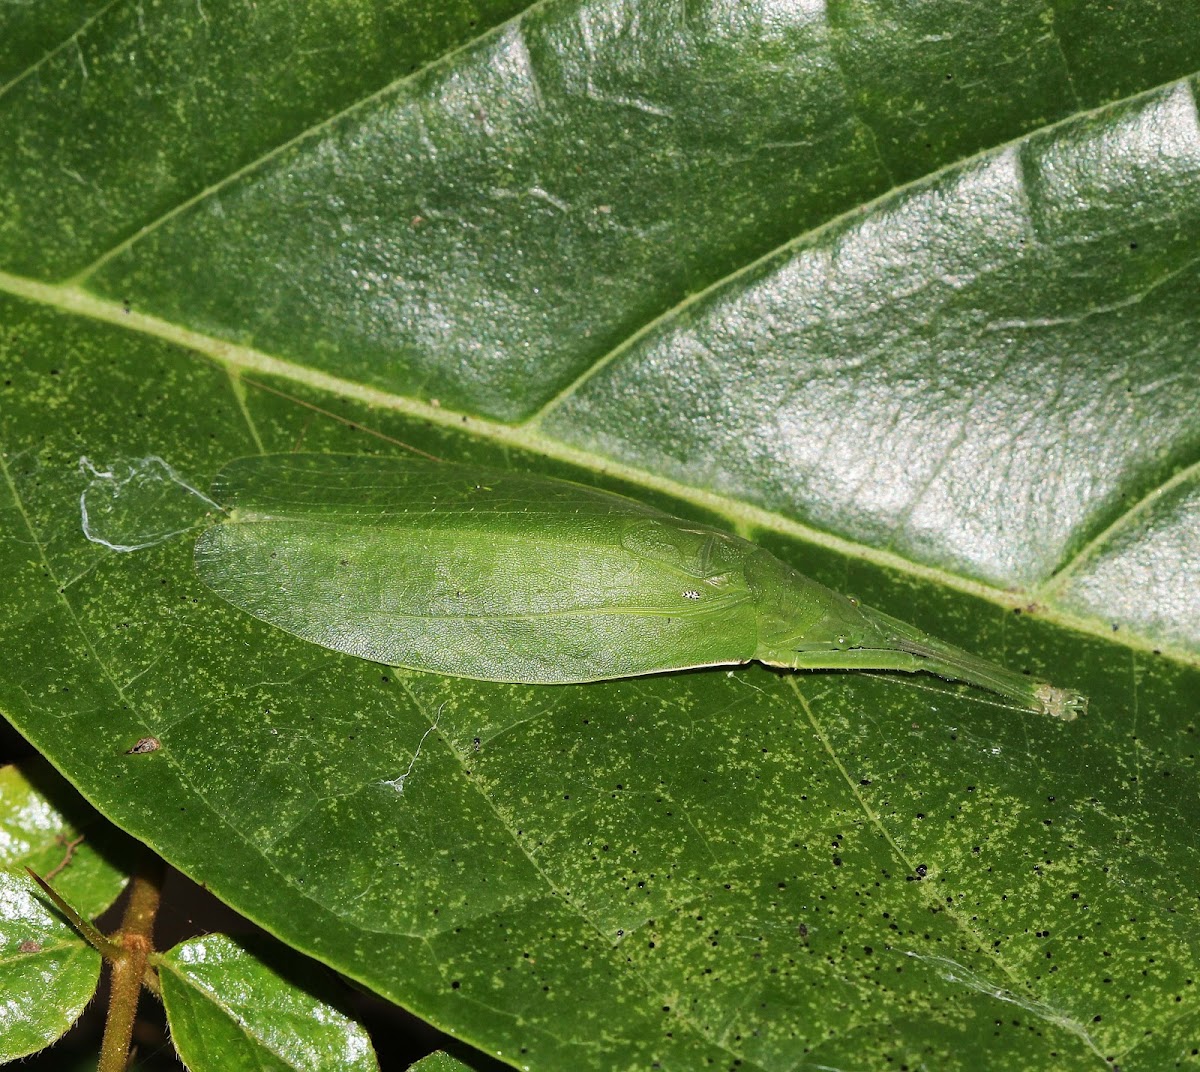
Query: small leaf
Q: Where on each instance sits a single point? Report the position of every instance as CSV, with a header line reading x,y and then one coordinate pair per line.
x,y
48,973
242,1004
439,1062
45,825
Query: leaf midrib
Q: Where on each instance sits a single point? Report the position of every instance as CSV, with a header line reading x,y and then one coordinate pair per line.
x,y
744,518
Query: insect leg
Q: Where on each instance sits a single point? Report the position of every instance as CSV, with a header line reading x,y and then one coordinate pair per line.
x,y
947,662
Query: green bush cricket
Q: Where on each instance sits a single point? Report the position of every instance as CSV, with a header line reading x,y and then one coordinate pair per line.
x,y
504,576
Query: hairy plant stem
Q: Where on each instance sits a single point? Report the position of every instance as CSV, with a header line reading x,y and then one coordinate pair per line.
x,y
127,972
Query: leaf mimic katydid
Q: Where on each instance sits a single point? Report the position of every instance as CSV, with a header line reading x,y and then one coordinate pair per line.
x,y
507,577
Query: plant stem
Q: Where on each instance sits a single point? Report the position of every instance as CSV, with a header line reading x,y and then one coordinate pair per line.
x,y
135,938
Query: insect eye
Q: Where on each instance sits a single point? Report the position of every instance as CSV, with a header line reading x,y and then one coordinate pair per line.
x,y
841,640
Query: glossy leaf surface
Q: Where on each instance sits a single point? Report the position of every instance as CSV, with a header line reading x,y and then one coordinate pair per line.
x,y
44,825
440,1062
237,1005
904,291
47,972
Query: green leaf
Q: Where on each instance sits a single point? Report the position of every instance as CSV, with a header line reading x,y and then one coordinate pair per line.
x,y
904,291
440,1062
48,973
245,1005
44,825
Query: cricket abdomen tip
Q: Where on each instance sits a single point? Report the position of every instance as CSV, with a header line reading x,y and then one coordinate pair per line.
x,y
1061,703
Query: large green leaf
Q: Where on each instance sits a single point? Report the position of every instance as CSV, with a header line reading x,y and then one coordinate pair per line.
x,y
905,290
